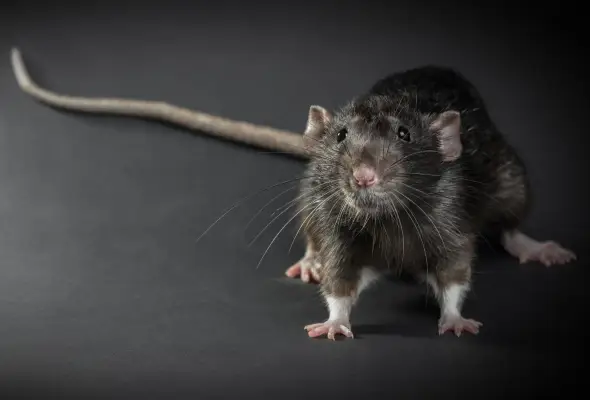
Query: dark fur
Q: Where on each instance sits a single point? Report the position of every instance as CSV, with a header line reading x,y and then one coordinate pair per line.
x,y
484,191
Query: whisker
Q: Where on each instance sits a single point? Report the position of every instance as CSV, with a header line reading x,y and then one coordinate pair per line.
x,y
375,238
322,202
399,223
316,189
418,230
447,221
347,149
429,218
343,206
267,204
284,226
312,192
470,192
409,155
461,178
293,203
244,199
270,223
365,223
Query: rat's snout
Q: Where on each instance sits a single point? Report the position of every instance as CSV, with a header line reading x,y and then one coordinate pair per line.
x,y
365,176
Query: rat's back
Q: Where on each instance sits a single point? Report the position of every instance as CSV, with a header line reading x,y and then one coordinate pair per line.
x,y
431,89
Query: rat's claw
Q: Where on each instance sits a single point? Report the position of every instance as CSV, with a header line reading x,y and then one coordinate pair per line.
x,y
330,329
315,274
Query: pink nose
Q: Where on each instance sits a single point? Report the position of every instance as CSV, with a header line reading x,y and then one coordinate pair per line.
x,y
364,176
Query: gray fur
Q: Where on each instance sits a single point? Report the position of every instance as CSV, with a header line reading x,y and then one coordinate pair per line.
x,y
429,209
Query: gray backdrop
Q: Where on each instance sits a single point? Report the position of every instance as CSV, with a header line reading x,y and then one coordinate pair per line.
x,y
102,289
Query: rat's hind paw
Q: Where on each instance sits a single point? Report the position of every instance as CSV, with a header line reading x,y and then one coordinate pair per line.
x,y
329,328
527,249
458,325
547,253
307,269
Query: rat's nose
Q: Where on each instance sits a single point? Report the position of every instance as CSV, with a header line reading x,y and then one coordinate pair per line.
x,y
365,176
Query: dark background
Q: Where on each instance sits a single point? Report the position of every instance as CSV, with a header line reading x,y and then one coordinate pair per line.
x,y
103,291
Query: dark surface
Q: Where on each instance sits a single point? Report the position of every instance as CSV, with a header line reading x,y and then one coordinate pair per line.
x,y
102,289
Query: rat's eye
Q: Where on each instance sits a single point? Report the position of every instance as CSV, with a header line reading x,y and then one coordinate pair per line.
x,y
341,135
403,134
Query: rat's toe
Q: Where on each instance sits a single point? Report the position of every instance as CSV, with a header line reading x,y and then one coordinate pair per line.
x,y
306,269
330,329
458,325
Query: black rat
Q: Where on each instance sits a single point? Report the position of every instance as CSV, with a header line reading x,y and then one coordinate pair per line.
x,y
403,177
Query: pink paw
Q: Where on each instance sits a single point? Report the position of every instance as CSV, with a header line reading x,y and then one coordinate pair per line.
x,y
307,269
458,324
548,253
329,328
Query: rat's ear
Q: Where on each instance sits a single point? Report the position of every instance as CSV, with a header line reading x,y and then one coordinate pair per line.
x,y
318,119
447,126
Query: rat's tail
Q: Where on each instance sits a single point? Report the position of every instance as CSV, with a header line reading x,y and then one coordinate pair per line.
x,y
238,131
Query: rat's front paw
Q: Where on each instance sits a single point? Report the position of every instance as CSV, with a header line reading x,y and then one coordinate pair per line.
x,y
330,328
307,269
458,324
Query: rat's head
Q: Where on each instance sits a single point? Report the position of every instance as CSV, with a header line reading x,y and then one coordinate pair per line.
x,y
380,151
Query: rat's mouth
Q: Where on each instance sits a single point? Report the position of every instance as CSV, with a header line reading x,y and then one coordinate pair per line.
x,y
364,200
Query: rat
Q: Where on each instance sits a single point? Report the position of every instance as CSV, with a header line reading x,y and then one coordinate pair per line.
x,y
404,177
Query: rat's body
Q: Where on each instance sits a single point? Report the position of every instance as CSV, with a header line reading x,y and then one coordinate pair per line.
x,y
448,179
405,177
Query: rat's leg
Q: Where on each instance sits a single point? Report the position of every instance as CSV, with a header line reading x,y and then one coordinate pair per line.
x,y
451,283
340,293
308,267
512,204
